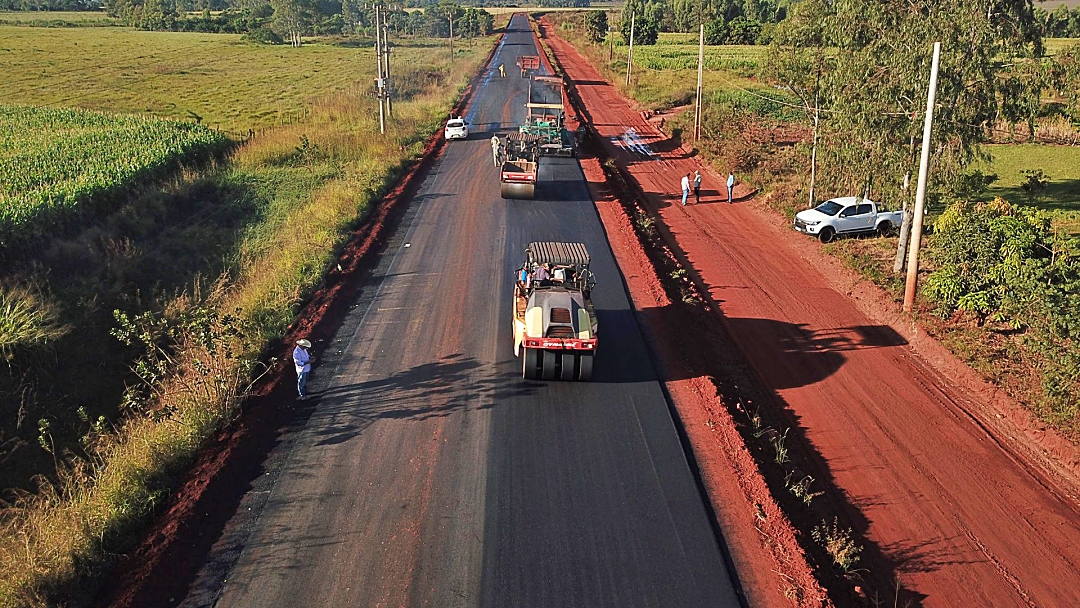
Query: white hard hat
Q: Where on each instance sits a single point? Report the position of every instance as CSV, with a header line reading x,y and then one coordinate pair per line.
x,y
303,343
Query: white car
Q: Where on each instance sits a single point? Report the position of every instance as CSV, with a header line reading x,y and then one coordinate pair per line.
x,y
456,128
846,215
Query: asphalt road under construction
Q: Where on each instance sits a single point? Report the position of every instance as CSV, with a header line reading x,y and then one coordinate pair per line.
x,y
428,472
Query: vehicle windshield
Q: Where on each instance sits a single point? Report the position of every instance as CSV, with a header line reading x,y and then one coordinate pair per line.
x,y
829,207
455,124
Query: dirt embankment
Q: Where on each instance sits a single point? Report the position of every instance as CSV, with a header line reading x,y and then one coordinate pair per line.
x,y
158,571
952,494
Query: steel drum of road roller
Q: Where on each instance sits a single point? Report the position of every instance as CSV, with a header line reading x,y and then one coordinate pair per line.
x,y
520,191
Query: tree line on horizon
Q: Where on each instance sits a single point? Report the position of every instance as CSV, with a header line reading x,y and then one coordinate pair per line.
x,y
273,21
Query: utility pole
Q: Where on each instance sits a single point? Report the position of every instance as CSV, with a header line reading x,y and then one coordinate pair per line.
x,y
380,82
630,57
610,44
920,189
450,16
386,70
697,98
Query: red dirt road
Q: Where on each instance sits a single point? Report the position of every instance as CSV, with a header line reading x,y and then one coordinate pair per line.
x,y
947,482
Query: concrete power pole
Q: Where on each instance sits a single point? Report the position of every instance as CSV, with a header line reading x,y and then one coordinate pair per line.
x,y
630,57
380,82
920,189
697,99
450,16
386,70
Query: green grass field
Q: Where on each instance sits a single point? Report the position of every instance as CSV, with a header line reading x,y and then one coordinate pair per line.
x,y
1056,45
1061,164
71,16
216,78
56,164
665,74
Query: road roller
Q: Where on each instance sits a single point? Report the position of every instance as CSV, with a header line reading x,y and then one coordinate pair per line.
x,y
554,319
519,168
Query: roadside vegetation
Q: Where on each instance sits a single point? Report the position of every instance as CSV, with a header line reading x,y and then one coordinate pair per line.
x,y
764,112
134,339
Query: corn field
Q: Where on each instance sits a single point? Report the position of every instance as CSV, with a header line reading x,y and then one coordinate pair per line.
x,y
59,165
743,60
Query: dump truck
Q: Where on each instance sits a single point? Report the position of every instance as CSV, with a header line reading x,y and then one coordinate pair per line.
x,y
554,319
519,168
545,117
528,62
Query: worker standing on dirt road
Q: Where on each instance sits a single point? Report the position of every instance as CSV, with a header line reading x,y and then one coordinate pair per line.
x,y
697,186
495,150
730,185
685,188
302,360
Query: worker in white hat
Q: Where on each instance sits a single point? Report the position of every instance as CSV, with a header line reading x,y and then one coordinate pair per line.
x,y
302,359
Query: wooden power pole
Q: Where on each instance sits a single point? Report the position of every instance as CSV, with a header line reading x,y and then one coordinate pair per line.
x,y
380,82
920,189
697,98
386,68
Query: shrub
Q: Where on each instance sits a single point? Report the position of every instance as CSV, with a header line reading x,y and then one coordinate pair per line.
x,y
1008,265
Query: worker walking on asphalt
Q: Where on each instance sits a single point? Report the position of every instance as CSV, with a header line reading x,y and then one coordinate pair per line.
x,y
730,185
302,360
502,71
697,186
685,188
495,150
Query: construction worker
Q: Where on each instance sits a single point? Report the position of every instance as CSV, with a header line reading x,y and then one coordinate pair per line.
x,y
302,360
502,71
495,150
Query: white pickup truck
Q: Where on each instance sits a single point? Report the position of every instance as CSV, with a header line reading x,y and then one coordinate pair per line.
x,y
846,215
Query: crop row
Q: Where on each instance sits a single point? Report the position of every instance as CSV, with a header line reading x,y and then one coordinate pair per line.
x,y
58,165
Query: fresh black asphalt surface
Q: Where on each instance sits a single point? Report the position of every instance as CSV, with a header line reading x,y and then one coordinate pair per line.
x,y
429,473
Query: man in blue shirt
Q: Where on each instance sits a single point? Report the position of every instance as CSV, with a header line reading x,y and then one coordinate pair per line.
x,y
302,360
730,185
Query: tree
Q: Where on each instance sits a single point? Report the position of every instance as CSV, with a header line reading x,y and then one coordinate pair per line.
x,y
646,21
743,31
596,25
292,18
879,58
798,62
716,31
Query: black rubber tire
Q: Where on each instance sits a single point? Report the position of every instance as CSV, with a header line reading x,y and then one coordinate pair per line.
x,y
530,364
567,366
827,235
585,365
548,366
885,228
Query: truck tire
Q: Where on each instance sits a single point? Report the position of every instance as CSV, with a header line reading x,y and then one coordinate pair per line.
x,y
585,364
566,366
530,364
548,365
885,228
827,235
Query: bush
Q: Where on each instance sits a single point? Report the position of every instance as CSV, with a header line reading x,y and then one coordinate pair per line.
x,y
264,35
1008,265
596,26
